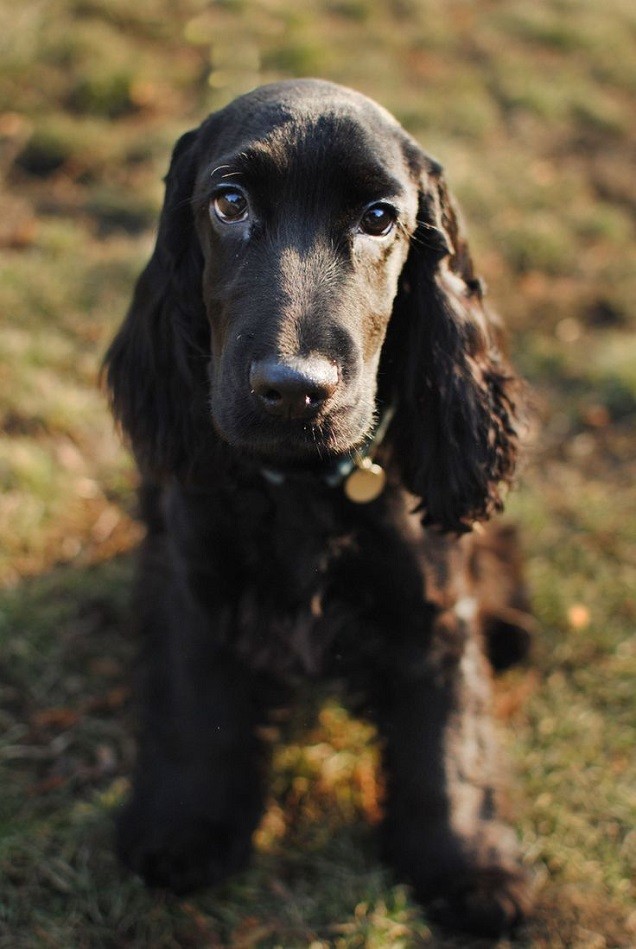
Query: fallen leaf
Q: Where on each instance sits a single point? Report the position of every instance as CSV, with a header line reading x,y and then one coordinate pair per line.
x,y
578,616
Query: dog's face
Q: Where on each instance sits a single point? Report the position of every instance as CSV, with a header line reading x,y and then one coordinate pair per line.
x,y
311,265
304,211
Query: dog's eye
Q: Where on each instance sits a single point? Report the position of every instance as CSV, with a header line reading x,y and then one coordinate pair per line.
x,y
378,220
230,205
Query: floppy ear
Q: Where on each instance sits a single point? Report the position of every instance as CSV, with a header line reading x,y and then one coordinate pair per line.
x,y
152,367
454,432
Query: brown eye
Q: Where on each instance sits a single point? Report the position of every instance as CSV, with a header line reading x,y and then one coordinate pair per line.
x,y
230,206
378,220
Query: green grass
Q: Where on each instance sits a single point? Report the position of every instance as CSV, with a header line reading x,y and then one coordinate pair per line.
x,y
531,108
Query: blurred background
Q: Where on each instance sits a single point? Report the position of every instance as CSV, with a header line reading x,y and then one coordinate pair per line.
x,y
531,107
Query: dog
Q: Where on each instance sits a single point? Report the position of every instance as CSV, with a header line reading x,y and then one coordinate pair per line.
x,y
322,414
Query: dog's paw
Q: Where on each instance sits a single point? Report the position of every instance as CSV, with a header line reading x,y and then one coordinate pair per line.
x,y
491,901
180,854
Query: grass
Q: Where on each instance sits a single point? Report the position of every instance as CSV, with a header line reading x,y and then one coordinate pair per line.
x,y
531,108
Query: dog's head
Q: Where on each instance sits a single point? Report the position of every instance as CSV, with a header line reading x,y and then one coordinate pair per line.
x,y
309,269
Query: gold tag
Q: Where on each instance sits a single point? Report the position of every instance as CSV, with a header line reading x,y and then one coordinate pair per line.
x,y
365,483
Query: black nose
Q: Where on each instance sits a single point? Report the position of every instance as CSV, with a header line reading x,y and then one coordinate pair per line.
x,y
294,388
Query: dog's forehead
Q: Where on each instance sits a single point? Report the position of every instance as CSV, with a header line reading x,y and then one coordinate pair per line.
x,y
305,103
295,127
331,143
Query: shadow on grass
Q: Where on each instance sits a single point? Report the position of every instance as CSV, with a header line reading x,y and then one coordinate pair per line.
x,y
65,756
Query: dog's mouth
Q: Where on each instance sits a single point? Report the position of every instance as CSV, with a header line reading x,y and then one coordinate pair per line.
x,y
304,447
300,446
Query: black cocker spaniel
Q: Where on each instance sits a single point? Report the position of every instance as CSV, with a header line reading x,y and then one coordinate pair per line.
x,y
321,412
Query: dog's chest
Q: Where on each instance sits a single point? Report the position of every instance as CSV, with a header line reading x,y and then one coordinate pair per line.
x,y
292,606
291,609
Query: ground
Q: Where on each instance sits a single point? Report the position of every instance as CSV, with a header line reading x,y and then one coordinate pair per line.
x,y
532,110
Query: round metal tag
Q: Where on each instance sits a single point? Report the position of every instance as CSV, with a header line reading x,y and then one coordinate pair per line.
x,y
365,483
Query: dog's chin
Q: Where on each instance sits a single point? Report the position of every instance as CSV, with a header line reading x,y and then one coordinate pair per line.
x,y
299,448
298,456
288,462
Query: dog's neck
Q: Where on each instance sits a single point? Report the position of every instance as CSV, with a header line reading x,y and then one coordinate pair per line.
x,y
360,477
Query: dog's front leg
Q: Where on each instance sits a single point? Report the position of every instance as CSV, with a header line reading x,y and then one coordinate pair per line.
x,y
197,788
442,828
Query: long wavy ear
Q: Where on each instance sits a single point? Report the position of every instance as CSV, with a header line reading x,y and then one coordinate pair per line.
x,y
454,433
153,364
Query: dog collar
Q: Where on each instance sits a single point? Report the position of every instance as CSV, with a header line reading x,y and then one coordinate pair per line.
x,y
362,479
